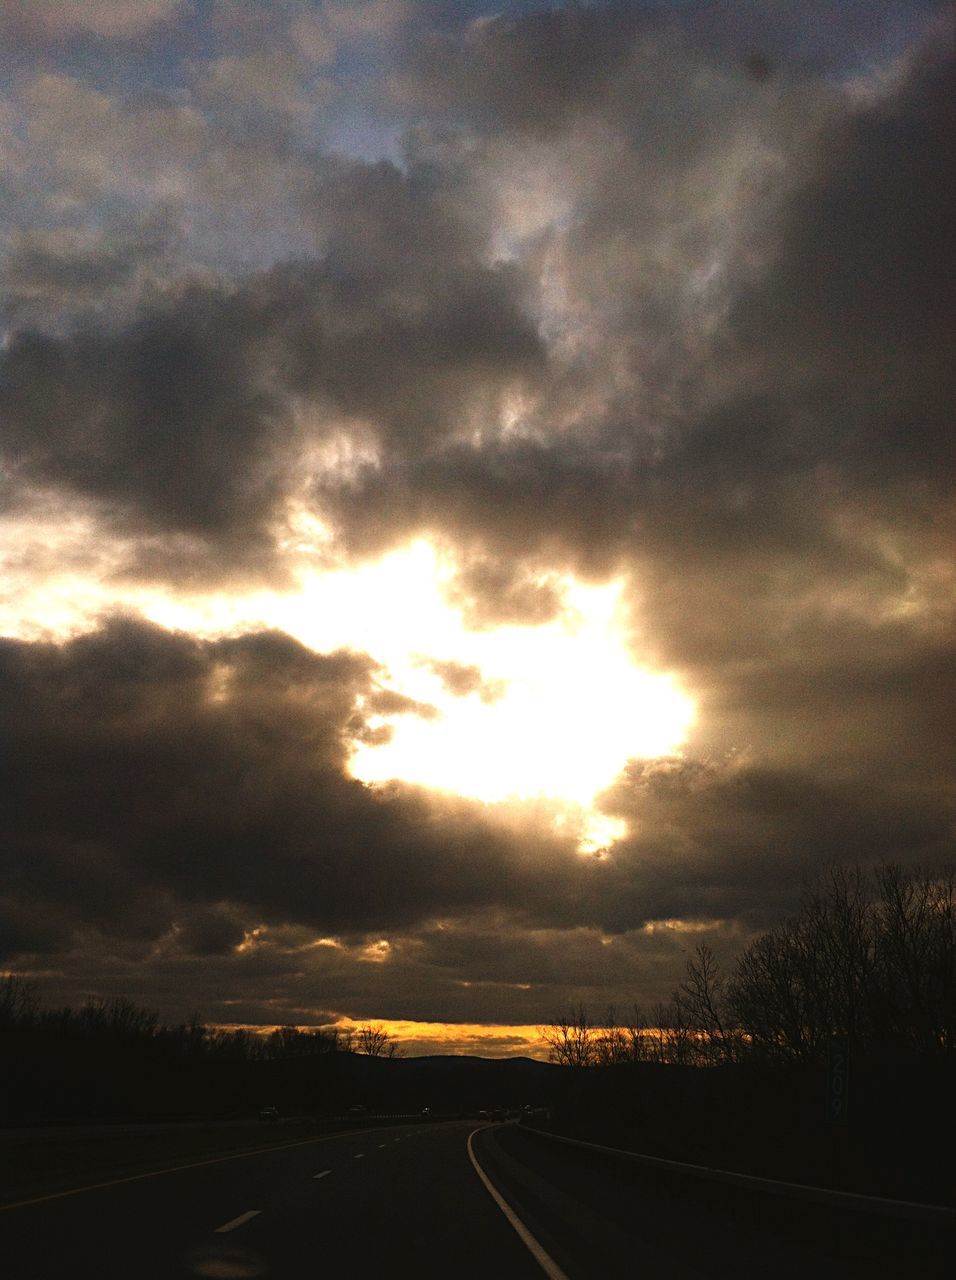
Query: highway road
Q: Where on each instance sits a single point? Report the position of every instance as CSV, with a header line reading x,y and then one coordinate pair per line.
x,y
439,1199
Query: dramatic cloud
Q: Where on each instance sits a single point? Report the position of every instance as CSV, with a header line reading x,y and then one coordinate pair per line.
x,y
550,406
193,419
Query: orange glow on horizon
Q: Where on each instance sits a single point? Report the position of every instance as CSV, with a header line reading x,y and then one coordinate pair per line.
x,y
420,1039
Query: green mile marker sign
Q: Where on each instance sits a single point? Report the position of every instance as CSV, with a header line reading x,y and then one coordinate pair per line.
x,y
838,1079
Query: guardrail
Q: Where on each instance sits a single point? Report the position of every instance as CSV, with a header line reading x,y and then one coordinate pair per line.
x,y
907,1209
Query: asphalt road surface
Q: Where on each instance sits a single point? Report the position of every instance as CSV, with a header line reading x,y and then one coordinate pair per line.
x,y
440,1199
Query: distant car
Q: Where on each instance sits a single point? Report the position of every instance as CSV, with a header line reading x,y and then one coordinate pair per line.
x,y
269,1114
357,1111
426,1113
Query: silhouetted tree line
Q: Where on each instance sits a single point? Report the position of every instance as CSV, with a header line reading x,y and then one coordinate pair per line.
x,y
869,955
111,1057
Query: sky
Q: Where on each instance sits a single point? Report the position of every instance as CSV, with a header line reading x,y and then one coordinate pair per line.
x,y
476,494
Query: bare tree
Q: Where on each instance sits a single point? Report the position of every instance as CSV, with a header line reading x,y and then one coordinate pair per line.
x,y
610,1041
376,1042
770,998
637,1036
702,997
572,1041
119,1018
299,1042
869,956
672,1040
618,1042
915,960
18,1000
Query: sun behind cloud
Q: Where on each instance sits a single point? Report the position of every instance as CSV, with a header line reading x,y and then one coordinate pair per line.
x,y
547,710
552,710
573,708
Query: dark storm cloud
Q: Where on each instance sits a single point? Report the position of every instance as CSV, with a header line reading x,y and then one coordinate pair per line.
x,y
511,500
876,705
150,770
169,799
859,297
209,931
539,70
532,71
182,423
729,838
166,425
835,353
41,268
56,281
489,970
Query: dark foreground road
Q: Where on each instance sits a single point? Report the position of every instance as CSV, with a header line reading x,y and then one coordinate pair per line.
x,y
598,1217
408,1201
377,1202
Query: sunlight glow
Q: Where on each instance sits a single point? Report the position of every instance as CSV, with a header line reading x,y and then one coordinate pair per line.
x,y
570,705
574,707
457,1038
549,711
485,1040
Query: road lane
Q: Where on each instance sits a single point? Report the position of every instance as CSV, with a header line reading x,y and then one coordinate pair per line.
x,y
410,1202
414,1206
598,1216
47,1160
534,1246
237,1222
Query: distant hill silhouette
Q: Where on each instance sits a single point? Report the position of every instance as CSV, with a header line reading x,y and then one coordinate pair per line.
x,y
443,1082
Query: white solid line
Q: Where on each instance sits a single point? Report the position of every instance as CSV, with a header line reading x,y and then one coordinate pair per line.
x,y
237,1222
537,1251
324,1174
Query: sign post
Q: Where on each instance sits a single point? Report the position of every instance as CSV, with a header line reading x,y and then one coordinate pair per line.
x,y
838,1079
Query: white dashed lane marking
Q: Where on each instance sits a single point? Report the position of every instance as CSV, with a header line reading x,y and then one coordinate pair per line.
x,y
237,1222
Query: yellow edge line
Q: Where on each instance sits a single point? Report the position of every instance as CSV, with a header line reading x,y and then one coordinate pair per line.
x,y
179,1168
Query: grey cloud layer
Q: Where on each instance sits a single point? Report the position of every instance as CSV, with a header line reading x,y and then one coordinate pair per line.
x,y
166,797
184,422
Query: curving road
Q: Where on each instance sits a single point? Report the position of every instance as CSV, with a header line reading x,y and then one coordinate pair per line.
x,y
401,1200
440,1199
